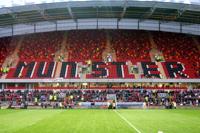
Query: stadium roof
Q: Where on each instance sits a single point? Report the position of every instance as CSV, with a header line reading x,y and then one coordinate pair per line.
x,y
30,12
11,3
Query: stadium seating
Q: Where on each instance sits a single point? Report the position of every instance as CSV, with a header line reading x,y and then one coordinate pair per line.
x,y
178,47
131,45
6,48
90,44
86,45
40,46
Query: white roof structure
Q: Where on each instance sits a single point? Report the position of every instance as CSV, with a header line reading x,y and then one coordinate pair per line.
x,y
12,3
19,17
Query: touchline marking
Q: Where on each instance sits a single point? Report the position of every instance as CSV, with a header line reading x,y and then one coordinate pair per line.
x,y
130,124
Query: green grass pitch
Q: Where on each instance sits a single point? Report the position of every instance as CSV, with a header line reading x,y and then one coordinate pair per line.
x,y
100,121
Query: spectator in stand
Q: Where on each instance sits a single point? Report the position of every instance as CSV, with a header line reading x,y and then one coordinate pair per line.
x,y
86,45
152,98
130,45
179,47
45,45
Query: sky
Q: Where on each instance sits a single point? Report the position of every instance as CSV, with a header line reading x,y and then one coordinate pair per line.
x,y
10,3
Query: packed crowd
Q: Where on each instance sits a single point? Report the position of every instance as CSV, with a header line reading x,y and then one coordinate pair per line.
x,y
7,46
151,97
130,45
86,45
178,47
41,46
90,44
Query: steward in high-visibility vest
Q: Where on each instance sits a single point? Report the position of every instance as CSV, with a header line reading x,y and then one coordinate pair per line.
x,y
50,97
55,98
146,99
4,70
36,100
7,70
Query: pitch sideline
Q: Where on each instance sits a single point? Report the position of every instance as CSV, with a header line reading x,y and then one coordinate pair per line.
x,y
128,122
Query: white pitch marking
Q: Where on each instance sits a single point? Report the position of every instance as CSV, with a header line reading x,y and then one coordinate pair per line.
x,y
130,124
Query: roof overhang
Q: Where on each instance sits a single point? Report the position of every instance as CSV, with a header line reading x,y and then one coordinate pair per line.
x,y
185,16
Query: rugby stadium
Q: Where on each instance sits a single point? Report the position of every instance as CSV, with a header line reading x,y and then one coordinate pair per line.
x,y
100,66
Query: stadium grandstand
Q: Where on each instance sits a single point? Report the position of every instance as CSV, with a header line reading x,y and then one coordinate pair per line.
x,y
116,54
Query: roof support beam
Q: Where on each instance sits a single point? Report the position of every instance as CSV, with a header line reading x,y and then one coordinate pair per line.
x,y
71,13
148,14
180,12
14,16
97,12
124,10
42,12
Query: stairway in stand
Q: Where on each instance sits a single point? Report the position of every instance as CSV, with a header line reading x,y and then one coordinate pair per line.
x,y
108,50
154,51
62,52
13,59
